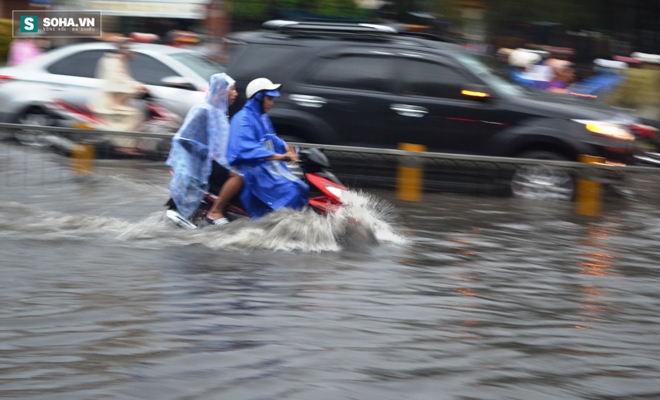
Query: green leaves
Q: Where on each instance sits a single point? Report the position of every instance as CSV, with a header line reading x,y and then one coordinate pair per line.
x,y
261,10
250,9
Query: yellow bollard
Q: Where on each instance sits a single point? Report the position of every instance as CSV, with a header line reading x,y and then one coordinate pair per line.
x,y
409,176
82,159
588,199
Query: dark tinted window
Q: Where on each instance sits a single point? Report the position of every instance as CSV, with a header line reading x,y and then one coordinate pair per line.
x,y
78,64
148,70
234,50
422,78
354,72
269,61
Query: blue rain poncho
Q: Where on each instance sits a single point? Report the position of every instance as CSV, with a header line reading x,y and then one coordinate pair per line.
x,y
201,139
269,185
597,84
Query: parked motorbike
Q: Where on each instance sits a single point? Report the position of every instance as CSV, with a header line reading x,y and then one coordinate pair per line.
x,y
647,150
325,196
158,119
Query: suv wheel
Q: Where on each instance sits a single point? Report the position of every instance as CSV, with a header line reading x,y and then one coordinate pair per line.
x,y
33,137
543,182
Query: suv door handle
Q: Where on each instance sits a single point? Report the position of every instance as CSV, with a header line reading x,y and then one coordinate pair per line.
x,y
408,110
308,101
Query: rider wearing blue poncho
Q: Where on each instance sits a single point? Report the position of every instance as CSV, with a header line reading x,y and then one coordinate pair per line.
x,y
255,149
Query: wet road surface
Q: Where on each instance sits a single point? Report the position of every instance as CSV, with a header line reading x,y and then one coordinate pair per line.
x,y
465,298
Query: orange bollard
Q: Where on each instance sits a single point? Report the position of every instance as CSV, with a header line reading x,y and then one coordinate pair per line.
x,y
409,176
589,193
82,159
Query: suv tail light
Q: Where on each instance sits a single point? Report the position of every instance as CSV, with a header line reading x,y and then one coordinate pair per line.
x,y
5,78
644,130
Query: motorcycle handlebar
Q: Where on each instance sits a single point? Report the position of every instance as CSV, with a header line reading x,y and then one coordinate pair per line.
x,y
145,95
288,159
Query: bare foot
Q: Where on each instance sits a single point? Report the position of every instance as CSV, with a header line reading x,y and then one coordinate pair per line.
x,y
214,215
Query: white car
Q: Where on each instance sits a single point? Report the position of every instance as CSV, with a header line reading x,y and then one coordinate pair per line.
x,y
177,78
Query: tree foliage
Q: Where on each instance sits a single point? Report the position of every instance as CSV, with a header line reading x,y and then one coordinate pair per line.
x,y
606,15
336,8
5,38
601,15
263,9
250,9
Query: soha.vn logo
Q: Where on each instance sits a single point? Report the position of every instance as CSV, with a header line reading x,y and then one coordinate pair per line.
x,y
29,24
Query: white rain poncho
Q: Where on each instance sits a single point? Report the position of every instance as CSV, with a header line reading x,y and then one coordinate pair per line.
x,y
201,139
113,104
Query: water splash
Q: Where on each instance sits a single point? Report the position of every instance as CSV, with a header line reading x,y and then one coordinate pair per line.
x,y
374,213
286,230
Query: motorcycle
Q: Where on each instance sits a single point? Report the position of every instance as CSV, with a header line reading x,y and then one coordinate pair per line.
x,y
325,196
158,119
647,151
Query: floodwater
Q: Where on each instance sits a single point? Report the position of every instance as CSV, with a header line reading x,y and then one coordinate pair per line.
x,y
465,297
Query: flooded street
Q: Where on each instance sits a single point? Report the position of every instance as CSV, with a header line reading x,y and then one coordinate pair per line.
x,y
465,298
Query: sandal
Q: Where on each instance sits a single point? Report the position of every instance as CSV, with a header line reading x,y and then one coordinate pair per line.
x,y
216,222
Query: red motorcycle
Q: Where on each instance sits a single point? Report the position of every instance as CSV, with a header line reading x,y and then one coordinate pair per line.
x,y
326,194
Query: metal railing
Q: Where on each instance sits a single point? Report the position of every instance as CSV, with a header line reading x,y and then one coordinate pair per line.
x,y
356,166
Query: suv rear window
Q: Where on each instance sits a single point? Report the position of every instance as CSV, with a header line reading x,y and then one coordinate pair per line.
x,y
354,72
264,60
234,49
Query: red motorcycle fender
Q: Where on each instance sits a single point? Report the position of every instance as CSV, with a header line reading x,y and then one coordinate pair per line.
x,y
84,114
326,186
324,204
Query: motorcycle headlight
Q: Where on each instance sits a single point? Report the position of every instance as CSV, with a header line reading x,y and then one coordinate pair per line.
x,y
609,129
336,191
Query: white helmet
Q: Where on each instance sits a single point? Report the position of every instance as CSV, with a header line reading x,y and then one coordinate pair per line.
x,y
647,58
260,84
610,64
523,58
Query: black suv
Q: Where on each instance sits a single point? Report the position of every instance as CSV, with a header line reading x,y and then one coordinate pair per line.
x,y
369,85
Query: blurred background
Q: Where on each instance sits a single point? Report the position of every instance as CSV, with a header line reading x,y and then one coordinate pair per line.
x,y
598,49
583,31
593,28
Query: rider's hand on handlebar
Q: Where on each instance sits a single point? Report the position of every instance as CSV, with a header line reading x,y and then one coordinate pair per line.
x,y
293,156
286,157
142,92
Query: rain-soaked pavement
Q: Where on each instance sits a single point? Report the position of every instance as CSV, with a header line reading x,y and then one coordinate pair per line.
x,y
465,298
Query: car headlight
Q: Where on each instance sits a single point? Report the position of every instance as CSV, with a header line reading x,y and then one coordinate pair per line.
x,y
609,129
